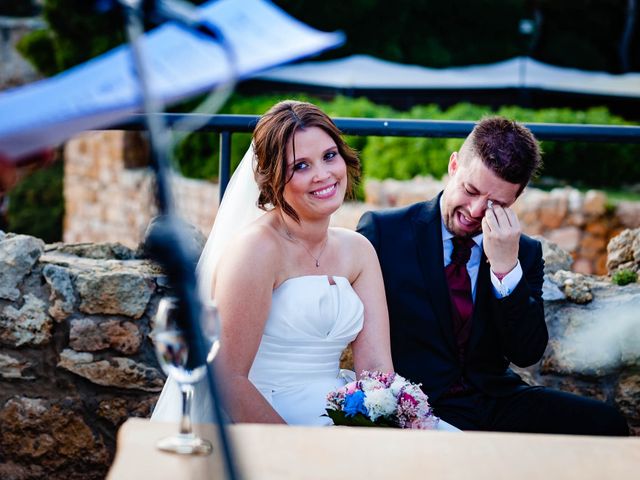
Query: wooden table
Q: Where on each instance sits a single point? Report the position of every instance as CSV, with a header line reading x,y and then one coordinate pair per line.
x,y
285,452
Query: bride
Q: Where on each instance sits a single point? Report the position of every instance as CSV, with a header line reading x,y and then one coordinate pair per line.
x,y
292,291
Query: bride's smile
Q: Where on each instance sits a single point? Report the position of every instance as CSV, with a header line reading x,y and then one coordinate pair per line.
x,y
326,192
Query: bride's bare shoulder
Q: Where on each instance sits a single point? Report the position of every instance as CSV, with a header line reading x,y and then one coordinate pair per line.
x,y
350,238
257,244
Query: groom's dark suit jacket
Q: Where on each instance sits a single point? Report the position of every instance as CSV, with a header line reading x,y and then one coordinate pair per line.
x,y
409,245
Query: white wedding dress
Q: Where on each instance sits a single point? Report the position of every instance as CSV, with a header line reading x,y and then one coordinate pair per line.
x,y
311,321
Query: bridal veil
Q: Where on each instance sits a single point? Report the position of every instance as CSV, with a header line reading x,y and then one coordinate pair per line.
x,y
238,208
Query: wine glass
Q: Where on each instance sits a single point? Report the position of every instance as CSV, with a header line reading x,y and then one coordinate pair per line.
x,y
173,355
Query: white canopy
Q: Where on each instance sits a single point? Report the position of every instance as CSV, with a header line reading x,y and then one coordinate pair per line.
x,y
366,72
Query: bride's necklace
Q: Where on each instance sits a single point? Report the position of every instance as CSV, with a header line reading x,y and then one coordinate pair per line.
x,y
294,239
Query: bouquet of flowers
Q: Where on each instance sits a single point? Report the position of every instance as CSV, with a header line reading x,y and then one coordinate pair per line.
x,y
381,400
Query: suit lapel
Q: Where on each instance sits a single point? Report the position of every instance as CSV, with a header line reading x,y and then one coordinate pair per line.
x,y
428,232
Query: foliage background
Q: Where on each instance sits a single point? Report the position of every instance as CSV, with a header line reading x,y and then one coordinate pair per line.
x,y
575,163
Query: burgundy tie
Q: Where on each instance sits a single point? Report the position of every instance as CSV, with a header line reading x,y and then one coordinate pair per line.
x,y
460,293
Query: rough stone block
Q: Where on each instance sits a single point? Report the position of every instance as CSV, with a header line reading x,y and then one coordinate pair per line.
x,y
595,203
18,255
553,209
575,219
567,238
629,214
599,228
600,265
115,372
91,335
62,296
29,325
117,410
555,258
49,435
114,292
14,368
628,397
576,287
575,200
620,249
98,251
592,246
14,471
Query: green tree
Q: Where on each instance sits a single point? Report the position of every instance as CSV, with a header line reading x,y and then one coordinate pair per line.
x,y
36,206
76,33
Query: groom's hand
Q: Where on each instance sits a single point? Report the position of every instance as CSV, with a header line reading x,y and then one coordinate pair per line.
x,y
501,238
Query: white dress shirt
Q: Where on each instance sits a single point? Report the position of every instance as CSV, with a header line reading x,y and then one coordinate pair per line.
x,y
501,288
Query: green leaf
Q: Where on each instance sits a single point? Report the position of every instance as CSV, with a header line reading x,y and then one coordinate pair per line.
x,y
357,420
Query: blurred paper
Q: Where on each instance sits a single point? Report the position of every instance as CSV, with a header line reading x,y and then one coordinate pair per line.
x,y
181,63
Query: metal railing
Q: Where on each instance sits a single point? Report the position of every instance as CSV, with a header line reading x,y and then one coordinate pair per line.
x,y
226,125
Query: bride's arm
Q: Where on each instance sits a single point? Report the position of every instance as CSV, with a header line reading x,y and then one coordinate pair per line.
x,y
243,288
371,348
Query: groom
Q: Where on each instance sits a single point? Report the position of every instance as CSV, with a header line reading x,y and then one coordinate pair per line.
x,y
464,290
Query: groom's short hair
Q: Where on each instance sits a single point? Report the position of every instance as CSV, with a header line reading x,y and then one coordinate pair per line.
x,y
506,147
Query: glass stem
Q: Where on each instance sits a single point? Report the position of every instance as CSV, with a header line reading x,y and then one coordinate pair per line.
x,y
185,420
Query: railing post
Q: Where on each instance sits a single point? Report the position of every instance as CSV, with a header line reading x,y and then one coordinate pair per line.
x,y
224,167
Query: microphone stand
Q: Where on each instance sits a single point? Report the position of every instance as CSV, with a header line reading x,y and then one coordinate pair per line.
x,y
165,242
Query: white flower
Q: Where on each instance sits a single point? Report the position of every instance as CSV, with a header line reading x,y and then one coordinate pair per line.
x,y
415,391
380,403
397,385
370,384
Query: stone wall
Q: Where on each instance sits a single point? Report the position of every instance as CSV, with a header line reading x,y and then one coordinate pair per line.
x,y
108,198
580,223
594,330
75,356
109,190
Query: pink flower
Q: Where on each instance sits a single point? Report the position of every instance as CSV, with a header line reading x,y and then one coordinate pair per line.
x,y
405,397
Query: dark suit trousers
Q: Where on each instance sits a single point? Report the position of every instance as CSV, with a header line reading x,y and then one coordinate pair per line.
x,y
532,410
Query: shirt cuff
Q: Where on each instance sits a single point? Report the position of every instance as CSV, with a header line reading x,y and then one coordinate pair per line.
x,y
503,288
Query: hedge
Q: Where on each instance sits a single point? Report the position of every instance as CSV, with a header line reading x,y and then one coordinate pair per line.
x,y
36,204
580,164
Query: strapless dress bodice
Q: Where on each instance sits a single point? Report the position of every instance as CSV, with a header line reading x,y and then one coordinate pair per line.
x,y
311,321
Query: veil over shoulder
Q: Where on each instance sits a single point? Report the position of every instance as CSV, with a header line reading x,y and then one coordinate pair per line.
x,y
238,208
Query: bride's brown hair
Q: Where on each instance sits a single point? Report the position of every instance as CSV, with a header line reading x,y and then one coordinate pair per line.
x,y
270,139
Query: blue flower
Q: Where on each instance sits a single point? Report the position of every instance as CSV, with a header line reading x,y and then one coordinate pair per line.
x,y
354,404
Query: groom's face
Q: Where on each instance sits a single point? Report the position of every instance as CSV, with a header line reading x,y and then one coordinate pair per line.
x,y
471,184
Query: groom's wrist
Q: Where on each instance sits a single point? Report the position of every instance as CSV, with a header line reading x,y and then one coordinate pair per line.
x,y
500,274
